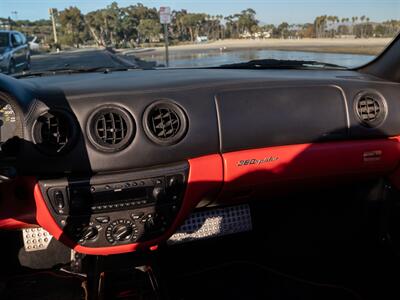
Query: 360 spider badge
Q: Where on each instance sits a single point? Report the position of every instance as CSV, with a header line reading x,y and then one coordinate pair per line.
x,y
254,161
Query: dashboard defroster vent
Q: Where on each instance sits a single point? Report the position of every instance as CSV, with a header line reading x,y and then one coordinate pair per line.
x,y
370,108
165,123
111,129
53,132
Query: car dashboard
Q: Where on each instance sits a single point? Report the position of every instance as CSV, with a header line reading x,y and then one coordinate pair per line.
x,y
115,162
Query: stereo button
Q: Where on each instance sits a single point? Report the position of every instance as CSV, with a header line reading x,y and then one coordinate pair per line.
x,y
59,199
158,193
174,181
103,219
137,216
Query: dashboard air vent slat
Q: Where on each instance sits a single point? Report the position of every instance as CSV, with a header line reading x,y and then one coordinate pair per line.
x,y
53,132
164,122
370,108
111,129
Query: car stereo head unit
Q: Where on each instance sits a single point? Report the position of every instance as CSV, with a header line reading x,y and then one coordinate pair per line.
x,y
104,210
117,196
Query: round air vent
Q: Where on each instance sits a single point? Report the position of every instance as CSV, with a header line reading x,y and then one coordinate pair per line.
x,y
370,108
54,131
164,123
111,129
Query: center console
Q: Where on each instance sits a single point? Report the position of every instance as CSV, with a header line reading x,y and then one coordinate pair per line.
x,y
116,209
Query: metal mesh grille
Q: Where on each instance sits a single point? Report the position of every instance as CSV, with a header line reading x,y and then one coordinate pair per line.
x,y
368,109
111,128
54,132
164,123
213,223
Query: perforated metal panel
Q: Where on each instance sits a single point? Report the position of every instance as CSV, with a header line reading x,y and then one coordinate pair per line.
x,y
213,223
36,239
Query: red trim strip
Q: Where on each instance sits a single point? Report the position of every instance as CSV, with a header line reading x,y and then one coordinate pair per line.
x,y
269,166
205,179
260,168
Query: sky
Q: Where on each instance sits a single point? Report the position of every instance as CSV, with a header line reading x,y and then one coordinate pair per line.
x,y
268,11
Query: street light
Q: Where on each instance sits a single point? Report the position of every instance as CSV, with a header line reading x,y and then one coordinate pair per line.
x,y
15,15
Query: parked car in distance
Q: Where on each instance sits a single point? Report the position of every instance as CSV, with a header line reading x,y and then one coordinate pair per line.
x,y
14,52
34,44
202,39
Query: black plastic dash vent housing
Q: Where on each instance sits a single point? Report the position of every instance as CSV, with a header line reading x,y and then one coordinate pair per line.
x,y
54,132
111,129
165,123
371,108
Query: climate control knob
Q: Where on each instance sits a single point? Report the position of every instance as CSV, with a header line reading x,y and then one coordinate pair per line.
x,y
121,230
88,233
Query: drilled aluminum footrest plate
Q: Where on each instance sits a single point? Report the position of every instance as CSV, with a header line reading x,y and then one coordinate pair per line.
x,y
36,239
213,223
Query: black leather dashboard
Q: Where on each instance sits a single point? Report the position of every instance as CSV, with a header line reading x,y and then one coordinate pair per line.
x,y
226,110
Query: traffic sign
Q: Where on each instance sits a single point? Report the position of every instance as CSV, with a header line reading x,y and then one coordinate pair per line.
x,y
165,15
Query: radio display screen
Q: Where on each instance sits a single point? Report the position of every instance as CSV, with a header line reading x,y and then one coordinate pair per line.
x,y
120,196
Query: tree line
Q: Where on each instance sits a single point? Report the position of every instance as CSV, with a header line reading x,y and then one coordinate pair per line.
x,y
134,25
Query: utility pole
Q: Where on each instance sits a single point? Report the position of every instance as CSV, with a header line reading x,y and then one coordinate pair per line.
x,y
52,11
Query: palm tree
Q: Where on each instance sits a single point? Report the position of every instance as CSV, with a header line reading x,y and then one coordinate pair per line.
x,y
354,20
320,26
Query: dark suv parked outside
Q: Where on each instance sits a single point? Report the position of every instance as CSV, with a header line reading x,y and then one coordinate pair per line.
x,y
14,52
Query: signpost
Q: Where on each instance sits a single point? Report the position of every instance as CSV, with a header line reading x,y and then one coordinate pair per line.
x,y
165,19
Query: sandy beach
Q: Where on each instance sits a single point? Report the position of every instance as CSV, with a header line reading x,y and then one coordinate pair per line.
x,y
371,46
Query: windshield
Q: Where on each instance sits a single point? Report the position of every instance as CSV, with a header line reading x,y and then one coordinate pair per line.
x,y
89,35
4,41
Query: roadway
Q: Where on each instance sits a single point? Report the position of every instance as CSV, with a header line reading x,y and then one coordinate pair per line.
x,y
84,58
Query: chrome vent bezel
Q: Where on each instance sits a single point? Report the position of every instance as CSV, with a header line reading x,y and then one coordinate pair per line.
x,y
108,117
370,108
165,122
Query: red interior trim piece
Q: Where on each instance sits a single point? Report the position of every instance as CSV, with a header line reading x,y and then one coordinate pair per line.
x,y
267,167
205,180
394,177
272,168
17,205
